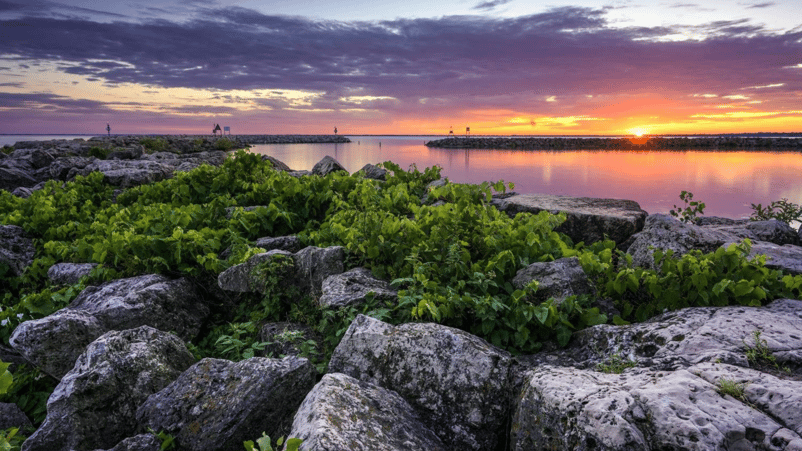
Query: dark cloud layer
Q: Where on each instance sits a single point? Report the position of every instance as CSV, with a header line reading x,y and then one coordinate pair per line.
x,y
565,51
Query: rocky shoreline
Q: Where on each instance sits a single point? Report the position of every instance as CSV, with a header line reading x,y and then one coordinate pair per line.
x,y
124,371
656,143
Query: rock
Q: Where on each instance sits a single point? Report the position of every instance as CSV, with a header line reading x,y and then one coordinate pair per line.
x,y
314,264
327,165
587,219
16,250
22,192
345,414
141,442
787,258
457,382
94,404
11,416
352,288
126,173
665,232
218,404
558,279
13,177
130,153
290,339
60,168
285,243
569,408
277,164
69,273
55,341
690,336
371,171
718,221
248,277
299,174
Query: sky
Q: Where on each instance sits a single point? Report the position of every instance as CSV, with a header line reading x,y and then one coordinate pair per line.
x,y
561,67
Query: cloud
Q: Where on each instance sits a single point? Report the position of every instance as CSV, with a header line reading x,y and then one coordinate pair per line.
x,y
762,5
490,4
453,62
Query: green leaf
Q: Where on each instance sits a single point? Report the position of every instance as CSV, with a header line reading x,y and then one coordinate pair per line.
x,y
563,335
6,378
618,321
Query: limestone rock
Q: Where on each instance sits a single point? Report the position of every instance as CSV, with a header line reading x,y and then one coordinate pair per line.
x,y
126,173
327,165
277,164
60,168
14,177
345,414
314,264
457,382
787,258
16,250
285,243
94,404
558,279
374,172
11,416
55,341
69,273
246,277
141,442
22,192
587,219
569,408
218,404
352,288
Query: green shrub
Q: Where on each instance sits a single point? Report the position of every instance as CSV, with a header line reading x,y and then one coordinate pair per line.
x,y
99,152
7,149
224,144
154,144
781,210
692,210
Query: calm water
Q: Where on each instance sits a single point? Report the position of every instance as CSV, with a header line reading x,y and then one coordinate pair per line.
x,y
726,181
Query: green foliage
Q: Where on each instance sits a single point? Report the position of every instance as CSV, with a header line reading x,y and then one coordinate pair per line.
x,y
6,378
167,440
152,145
264,444
692,209
759,354
11,439
29,390
7,149
99,152
781,210
732,388
615,365
224,144
241,344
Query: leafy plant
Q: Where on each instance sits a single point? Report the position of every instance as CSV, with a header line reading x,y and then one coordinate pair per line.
x,y
264,444
224,144
6,378
99,152
241,344
7,149
732,388
692,208
154,144
781,210
615,364
758,352
167,440
11,439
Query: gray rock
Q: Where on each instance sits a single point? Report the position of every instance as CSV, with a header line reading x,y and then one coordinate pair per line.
x,y
457,382
60,168
285,243
277,164
248,277
141,442
55,341
689,336
94,404
327,165
345,414
314,264
665,232
130,153
787,258
288,339
299,174
69,273
374,172
587,219
40,158
558,279
14,177
352,288
569,408
22,192
11,416
16,249
718,221
126,173
217,404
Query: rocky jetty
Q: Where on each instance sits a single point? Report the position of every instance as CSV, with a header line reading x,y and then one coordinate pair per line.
x,y
656,143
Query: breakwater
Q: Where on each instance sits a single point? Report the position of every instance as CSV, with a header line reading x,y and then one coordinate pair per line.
x,y
656,143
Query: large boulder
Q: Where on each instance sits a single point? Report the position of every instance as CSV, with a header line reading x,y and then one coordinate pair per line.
x,y
642,409
558,279
12,177
667,233
587,219
345,414
306,270
786,258
94,405
285,243
217,404
277,164
55,341
69,273
126,173
353,287
371,171
141,442
327,165
11,416
457,382
16,249
61,167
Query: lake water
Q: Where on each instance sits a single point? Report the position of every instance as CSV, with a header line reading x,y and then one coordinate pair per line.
x,y
727,182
